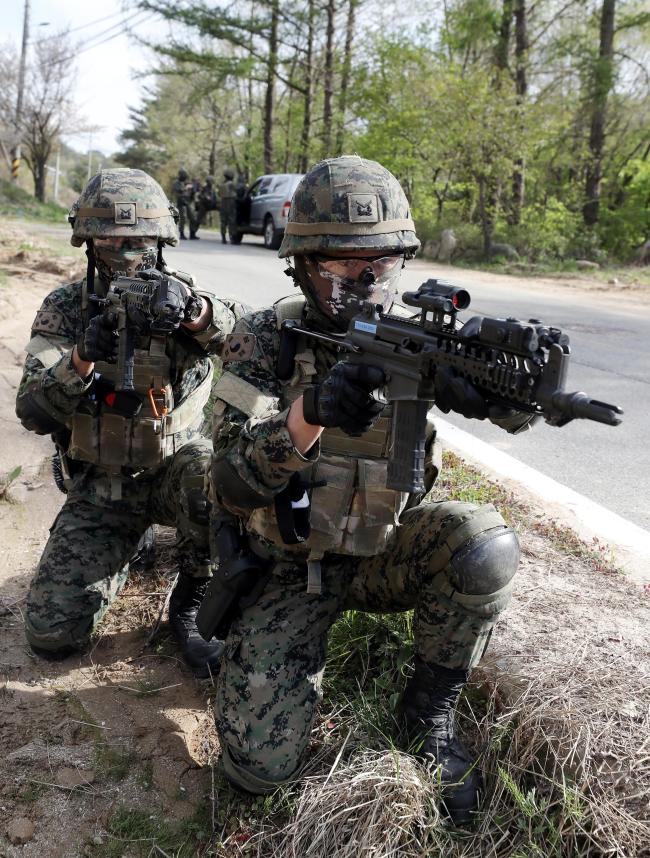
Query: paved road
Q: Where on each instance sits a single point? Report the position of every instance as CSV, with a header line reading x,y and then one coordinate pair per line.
x,y
610,338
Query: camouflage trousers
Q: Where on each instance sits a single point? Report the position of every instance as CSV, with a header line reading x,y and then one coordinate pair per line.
x,y
83,567
270,681
228,217
188,217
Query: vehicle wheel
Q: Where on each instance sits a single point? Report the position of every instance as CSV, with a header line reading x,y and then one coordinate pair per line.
x,y
236,237
272,236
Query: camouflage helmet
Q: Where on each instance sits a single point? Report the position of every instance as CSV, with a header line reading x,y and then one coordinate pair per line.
x,y
182,175
123,202
209,180
228,173
349,203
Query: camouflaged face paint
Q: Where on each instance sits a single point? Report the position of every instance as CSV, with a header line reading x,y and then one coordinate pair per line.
x,y
341,298
127,263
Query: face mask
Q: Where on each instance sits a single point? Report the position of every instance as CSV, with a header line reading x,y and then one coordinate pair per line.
x,y
340,287
111,263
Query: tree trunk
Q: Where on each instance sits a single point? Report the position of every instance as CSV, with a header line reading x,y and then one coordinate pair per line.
x,y
40,174
269,98
601,85
487,197
303,156
345,75
521,88
328,80
503,43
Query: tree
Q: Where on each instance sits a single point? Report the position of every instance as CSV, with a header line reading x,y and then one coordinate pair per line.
x,y
47,110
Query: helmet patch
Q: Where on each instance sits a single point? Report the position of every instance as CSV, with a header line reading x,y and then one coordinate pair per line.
x,y
363,208
125,213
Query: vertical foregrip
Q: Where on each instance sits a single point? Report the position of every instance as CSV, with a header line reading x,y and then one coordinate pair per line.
x,y
406,462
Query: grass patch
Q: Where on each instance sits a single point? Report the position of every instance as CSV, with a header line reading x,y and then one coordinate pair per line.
x,y
15,202
143,833
7,480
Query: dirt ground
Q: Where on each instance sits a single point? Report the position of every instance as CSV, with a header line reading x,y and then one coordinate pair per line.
x,y
126,727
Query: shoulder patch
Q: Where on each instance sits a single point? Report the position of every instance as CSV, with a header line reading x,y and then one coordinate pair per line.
x,y
48,321
239,346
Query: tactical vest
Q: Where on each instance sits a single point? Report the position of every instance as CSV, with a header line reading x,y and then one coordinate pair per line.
x,y
112,441
353,513
101,437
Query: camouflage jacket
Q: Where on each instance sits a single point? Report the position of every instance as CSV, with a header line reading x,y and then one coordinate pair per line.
x,y
51,395
259,449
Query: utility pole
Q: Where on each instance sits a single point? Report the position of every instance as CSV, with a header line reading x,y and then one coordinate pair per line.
x,y
56,174
15,160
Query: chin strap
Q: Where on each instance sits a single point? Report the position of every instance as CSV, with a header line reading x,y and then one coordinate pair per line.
x,y
160,262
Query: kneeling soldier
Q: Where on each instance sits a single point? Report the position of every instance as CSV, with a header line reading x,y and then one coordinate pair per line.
x,y
369,548
123,470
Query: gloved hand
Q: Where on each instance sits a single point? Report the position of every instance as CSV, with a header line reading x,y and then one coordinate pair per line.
x,y
344,398
99,340
454,393
173,300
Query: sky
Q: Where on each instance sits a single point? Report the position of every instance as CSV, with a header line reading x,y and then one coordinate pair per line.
x,y
106,84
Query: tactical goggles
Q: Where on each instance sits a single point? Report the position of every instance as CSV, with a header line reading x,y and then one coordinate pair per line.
x,y
116,242
353,267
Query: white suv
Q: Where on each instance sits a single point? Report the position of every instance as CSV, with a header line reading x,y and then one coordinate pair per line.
x,y
265,208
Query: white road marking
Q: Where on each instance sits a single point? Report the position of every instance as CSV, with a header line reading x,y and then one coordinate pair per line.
x,y
629,542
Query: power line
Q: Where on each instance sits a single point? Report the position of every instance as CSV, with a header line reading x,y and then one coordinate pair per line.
x,y
84,26
125,25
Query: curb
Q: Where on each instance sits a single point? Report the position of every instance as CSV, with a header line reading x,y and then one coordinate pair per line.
x,y
629,542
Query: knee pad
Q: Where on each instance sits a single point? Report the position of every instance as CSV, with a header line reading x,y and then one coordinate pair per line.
x,y
482,570
487,562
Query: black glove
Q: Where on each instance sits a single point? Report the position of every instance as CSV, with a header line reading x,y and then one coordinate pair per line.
x,y
173,300
99,340
345,398
454,393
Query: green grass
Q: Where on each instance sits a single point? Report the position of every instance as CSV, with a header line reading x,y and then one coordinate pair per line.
x,y
627,275
15,202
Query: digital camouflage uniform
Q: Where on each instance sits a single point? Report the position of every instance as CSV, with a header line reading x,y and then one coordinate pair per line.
x,y
227,205
120,479
372,548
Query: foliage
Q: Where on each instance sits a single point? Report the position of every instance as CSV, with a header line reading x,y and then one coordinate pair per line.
x,y
15,202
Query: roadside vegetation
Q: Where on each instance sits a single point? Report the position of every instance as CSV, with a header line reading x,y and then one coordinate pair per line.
x,y
518,130
18,203
557,740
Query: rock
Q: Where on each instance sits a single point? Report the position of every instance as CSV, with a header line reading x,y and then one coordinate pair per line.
x,y
20,830
448,243
430,249
614,281
643,254
505,250
586,265
70,778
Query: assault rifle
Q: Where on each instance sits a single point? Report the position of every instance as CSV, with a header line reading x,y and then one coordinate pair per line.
x,y
136,307
515,365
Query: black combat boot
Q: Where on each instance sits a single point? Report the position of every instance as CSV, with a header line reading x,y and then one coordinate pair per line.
x,y
182,234
428,706
202,657
194,236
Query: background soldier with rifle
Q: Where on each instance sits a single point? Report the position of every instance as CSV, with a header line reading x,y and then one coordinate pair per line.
x,y
310,515
127,432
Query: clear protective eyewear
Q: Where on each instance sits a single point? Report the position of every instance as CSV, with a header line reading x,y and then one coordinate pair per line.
x,y
352,268
116,242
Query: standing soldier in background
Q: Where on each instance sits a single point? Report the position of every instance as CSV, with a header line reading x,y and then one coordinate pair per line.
x,y
207,200
184,193
227,209
123,468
